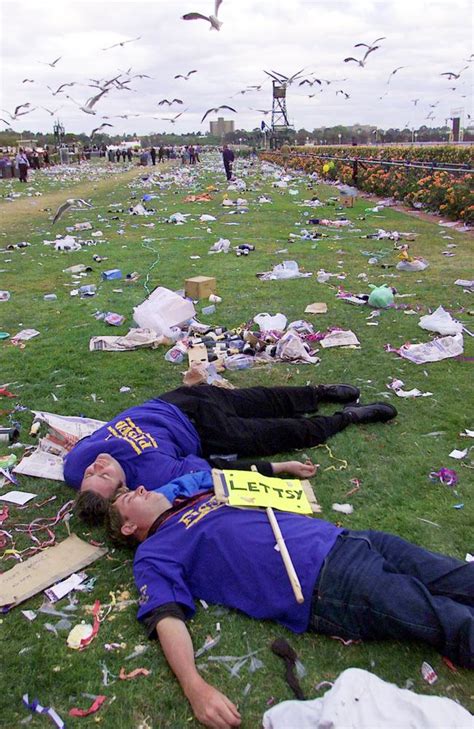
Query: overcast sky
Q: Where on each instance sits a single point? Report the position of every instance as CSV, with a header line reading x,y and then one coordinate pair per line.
x,y
428,37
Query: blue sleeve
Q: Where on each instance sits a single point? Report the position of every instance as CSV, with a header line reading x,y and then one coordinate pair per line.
x,y
161,581
187,485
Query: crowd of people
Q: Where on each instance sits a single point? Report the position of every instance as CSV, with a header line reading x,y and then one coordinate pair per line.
x,y
17,164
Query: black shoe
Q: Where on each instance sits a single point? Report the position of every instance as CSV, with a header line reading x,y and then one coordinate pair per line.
x,y
376,412
339,393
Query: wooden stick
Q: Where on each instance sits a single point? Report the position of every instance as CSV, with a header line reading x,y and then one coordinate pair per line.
x,y
285,555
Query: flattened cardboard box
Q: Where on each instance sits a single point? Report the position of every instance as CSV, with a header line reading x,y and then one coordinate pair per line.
x,y
46,568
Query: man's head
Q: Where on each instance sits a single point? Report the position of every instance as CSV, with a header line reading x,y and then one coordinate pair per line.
x,y
131,514
103,476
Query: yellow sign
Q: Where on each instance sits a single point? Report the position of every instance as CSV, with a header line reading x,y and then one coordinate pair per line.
x,y
248,488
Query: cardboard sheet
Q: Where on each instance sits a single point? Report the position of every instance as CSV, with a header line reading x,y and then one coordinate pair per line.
x,y
251,489
28,578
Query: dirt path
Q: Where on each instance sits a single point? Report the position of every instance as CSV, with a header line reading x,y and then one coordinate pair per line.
x,y
14,212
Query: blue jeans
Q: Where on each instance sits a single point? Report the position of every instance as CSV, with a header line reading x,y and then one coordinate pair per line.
x,y
375,585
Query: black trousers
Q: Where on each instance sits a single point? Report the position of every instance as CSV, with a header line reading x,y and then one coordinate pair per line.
x,y
23,172
256,420
228,169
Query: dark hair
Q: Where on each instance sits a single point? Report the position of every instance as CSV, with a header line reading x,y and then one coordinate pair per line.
x,y
91,507
114,522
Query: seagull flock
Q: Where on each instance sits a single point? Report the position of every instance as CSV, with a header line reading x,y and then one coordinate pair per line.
x,y
122,82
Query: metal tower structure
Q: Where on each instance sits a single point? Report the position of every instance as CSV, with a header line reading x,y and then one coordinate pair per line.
x,y
279,115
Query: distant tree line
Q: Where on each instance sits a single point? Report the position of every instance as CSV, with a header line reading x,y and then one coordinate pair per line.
x,y
362,134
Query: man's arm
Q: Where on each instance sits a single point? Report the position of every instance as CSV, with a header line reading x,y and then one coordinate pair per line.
x,y
210,707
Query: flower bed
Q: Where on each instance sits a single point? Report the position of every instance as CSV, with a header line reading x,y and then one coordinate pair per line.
x,y
447,193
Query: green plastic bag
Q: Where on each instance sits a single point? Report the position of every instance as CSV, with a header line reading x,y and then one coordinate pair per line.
x,y
380,296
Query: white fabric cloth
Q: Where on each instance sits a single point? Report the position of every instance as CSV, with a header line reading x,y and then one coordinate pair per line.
x,y
361,700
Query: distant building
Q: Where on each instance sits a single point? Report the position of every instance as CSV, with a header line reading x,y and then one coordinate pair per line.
x,y
221,127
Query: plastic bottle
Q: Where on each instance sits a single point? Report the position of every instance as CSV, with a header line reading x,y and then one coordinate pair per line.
x,y
176,353
238,362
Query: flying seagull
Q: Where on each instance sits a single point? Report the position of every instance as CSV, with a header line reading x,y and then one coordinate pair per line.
x,y
60,88
172,119
97,129
87,107
28,81
173,101
17,111
212,19
53,64
377,40
395,70
343,92
310,83
216,109
451,74
415,101
71,202
122,43
52,111
361,62
186,76
262,111
281,78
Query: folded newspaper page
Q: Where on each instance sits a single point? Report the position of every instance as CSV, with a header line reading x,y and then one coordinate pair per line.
x,y
64,431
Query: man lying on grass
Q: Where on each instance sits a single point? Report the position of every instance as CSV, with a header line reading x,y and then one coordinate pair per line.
x,y
356,584
182,430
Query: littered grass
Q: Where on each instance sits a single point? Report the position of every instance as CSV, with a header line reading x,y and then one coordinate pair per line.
x,y
56,372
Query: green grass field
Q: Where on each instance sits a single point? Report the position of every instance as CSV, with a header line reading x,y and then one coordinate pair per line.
x,y
56,372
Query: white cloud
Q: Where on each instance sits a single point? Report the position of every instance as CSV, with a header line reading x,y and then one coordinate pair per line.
x,y
427,37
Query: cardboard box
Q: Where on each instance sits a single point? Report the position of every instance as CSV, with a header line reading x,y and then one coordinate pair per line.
x,y
200,287
347,201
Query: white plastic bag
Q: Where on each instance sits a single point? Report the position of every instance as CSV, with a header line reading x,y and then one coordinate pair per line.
x,y
440,321
291,348
267,321
162,310
418,264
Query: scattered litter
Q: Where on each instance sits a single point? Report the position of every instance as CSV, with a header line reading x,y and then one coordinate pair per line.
x,y
268,322
138,651
285,270
20,498
124,676
29,615
208,644
48,711
440,321
446,476
465,283
428,673
434,351
397,387
316,308
24,335
61,589
459,454
343,508
416,264
95,706
339,338
381,296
